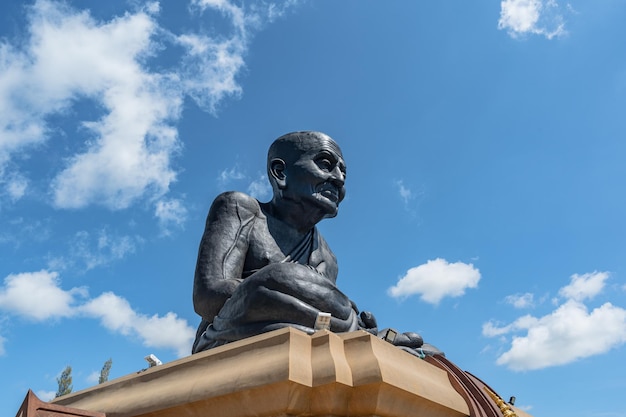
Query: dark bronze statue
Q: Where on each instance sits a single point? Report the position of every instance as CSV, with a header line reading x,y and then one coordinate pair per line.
x,y
264,266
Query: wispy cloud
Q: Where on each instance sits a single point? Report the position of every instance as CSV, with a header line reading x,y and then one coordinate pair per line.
x,y
525,300
13,185
569,333
228,175
39,296
405,193
537,17
93,377
19,231
260,188
89,250
170,213
435,280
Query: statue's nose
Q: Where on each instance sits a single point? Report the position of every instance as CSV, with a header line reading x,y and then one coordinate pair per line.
x,y
338,177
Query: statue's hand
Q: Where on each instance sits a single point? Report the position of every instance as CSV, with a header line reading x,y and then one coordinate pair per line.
x,y
367,322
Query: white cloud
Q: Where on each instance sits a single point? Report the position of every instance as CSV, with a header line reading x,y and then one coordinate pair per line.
x,y
567,334
170,213
491,329
260,188
93,377
525,300
211,65
2,341
436,279
226,176
36,295
69,56
405,193
18,231
100,250
116,314
539,17
129,153
46,395
15,185
584,286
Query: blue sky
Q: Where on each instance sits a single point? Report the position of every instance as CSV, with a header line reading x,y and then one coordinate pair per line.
x,y
485,194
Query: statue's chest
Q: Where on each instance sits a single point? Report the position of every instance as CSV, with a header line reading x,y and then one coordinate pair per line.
x,y
266,248
263,250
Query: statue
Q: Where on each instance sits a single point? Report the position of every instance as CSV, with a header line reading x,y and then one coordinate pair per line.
x,y
264,266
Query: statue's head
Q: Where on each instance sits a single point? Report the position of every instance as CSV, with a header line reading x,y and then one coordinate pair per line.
x,y
307,168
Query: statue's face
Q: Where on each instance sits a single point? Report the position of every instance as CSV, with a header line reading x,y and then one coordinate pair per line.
x,y
317,176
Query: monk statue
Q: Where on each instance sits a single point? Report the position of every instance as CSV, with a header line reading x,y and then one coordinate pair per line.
x,y
265,266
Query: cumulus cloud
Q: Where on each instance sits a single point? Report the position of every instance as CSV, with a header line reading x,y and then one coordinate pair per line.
x,y
116,314
571,332
70,56
435,280
525,300
125,154
538,17
39,296
584,286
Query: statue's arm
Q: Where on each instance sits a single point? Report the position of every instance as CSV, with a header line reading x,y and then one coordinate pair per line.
x,y
222,252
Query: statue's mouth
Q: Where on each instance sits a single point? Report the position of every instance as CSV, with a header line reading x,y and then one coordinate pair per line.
x,y
329,191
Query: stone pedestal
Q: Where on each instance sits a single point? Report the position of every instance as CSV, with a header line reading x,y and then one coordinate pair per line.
x,y
283,373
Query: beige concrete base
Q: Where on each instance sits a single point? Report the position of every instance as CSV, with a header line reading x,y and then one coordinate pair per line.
x,y
282,373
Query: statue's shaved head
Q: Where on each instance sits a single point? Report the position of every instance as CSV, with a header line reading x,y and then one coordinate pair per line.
x,y
289,147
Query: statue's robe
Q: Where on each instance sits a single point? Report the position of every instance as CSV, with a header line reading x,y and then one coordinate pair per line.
x,y
274,289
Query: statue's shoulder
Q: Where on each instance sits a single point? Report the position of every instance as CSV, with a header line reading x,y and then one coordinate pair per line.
x,y
235,202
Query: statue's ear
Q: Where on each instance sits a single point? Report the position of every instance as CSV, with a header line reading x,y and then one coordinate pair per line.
x,y
277,170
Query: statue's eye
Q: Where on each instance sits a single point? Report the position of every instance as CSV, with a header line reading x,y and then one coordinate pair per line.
x,y
325,164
